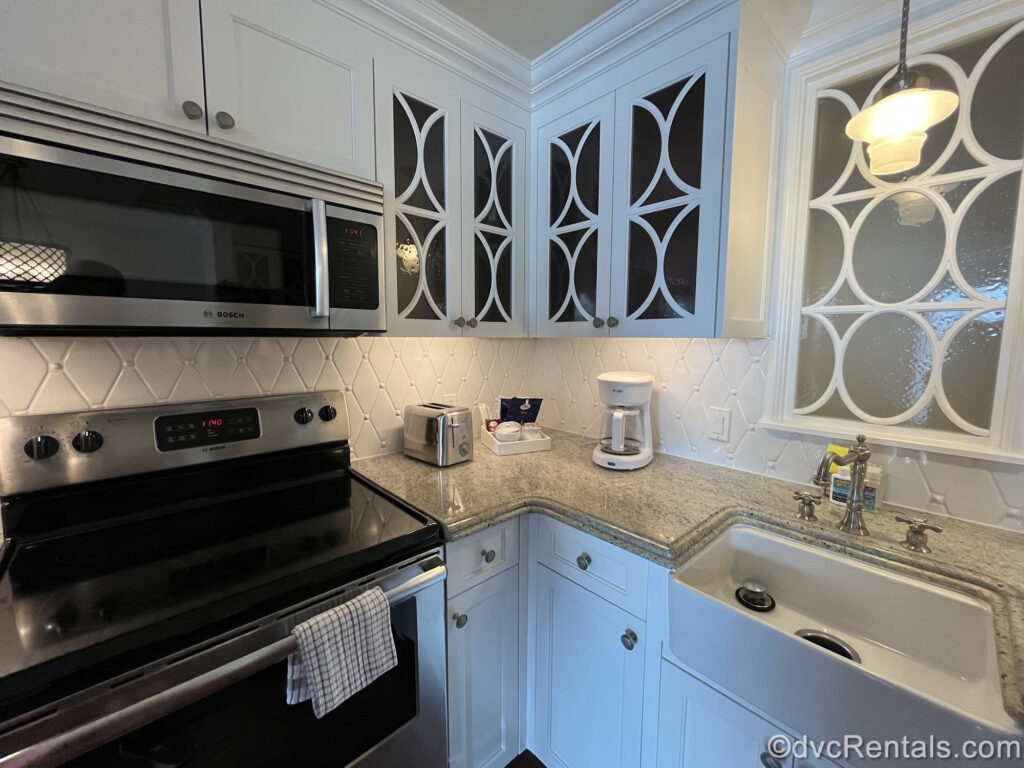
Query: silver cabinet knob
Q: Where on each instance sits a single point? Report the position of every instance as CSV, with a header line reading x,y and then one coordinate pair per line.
x,y
598,322
612,322
583,561
224,120
473,322
460,620
629,640
461,322
192,110
488,555
769,760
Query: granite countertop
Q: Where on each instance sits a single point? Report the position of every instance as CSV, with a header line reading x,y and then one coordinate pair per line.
x,y
667,511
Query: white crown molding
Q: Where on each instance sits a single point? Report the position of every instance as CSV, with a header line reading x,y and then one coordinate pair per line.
x,y
432,31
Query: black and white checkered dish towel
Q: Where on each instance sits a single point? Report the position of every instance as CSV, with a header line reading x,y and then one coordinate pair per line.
x,y
341,651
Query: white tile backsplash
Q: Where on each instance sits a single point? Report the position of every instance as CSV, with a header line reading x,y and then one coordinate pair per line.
x,y
381,375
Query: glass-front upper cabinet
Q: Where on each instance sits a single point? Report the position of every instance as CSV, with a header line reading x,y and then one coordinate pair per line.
x,y
454,191
631,186
575,221
668,198
493,225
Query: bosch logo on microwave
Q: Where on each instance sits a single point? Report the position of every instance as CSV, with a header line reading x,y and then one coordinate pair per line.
x,y
208,313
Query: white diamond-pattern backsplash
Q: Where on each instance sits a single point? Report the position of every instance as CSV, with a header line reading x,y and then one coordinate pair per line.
x,y
381,375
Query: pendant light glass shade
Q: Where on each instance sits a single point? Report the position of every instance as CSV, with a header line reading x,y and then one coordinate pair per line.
x,y
895,127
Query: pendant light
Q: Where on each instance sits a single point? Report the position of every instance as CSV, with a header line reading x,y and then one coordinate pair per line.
x,y
895,125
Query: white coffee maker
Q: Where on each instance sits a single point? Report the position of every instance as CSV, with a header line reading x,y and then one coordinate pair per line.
x,y
625,441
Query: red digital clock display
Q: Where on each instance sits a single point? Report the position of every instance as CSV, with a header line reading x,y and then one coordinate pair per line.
x,y
213,422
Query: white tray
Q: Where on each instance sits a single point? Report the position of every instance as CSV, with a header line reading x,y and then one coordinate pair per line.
x,y
542,443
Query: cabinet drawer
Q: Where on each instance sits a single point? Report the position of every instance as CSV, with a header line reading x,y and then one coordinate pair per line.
x,y
606,570
480,556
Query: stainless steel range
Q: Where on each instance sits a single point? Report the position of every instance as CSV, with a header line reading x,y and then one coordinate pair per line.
x,y
156,562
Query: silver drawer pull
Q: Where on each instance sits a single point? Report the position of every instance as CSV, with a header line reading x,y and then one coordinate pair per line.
x,y
225,120
584,561
629,640
460,620
488,555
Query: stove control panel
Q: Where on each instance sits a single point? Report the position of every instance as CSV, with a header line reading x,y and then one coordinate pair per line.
x,y
57,449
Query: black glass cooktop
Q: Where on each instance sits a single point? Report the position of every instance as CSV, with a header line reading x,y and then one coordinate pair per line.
x,y
128,592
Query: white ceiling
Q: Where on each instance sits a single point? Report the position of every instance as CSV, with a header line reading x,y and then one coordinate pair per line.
x,y
529,27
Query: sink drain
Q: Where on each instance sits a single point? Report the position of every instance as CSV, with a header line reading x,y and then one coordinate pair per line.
x,y
829,643
755,597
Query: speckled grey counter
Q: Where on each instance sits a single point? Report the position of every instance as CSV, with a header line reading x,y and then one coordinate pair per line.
x,y
669,510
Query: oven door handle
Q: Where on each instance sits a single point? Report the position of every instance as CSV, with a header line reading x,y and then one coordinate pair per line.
x,y
65,746
321,260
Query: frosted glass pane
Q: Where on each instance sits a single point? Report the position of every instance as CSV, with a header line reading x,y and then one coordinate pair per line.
x,y
969,370
887,364
816,362
997,110
985,242
831,146
824,256
899,247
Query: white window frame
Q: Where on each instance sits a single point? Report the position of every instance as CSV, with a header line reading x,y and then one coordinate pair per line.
x,y
839,60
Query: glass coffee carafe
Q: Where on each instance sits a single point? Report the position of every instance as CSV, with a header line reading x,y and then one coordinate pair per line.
x,y
622,431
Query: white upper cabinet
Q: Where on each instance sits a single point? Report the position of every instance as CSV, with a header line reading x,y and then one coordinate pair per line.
x,y
574,220
454,178
493,224
143,58
291,78
670,131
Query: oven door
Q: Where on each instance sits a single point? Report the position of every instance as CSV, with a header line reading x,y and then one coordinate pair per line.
x,y
89,242
225,705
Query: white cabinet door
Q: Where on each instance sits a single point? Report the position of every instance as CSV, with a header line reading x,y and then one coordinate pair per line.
x,y
291,78
699,727
493,224
670,155
483,673
418,135
589,686
140,57
574,221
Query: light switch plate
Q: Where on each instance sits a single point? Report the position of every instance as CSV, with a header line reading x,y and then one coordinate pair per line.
x,y
720,421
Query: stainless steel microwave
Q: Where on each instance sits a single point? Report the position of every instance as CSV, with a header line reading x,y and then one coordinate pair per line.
x,y
90,243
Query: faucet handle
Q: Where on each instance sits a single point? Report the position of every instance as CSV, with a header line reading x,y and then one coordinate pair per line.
x,y
918,524
917,536
806,507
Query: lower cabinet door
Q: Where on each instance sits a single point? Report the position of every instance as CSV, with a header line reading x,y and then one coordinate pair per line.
x,y
483,673
589,678
699,727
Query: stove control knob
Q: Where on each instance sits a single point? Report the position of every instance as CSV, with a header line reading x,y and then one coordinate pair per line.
x,y
303,415
87,441
41,447
328,413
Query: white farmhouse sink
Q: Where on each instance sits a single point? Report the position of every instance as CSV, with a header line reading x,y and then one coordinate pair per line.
x,y
927,654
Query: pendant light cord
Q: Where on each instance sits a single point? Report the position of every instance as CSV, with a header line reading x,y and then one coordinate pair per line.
x,y
901,69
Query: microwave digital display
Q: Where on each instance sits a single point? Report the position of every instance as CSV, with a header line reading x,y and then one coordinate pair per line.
x,y
353,257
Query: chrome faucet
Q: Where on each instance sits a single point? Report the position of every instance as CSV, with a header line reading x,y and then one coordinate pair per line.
x,y
853,519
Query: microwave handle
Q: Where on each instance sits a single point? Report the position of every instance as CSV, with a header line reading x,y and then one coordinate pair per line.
x,y
322,298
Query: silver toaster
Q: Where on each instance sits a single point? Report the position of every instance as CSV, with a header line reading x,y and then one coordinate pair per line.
x,y
440,434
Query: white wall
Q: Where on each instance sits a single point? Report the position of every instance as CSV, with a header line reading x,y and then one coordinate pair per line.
x,y
381,375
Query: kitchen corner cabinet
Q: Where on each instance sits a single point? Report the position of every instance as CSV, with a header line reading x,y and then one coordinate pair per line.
x,y
142,58
291,78
589,677
454,206
630,201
